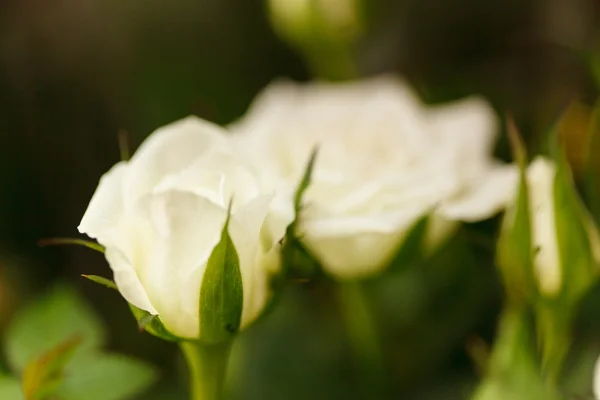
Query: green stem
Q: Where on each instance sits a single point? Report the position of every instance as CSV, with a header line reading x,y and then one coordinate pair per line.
x,y
362,332
514,372
513,342
332,62
554,333
208,368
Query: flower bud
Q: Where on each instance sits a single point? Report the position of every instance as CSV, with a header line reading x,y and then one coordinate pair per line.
x,y
549,235
548,253
189,233
324,30
565,240
303,21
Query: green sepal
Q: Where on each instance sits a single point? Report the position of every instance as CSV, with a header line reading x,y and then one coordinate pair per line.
x,y
152,324
514,254
576,236
71,241
297,265
101,281
305,181
292,250
290,245
592,164
222,292
146,321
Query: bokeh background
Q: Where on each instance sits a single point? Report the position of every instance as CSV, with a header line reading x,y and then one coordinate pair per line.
x,y
74,73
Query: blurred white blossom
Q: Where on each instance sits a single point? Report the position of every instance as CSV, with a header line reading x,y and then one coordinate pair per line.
x,y
161,214
384,161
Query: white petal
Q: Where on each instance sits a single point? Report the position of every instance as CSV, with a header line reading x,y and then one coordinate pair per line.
x,y
171,254
403,196
245,230
169,150
358,247
540,178
266,108
251,217
486,196
439,230
288,120
466,128
361,242
342,225
218,176
127,280
105,211
355,255
280,216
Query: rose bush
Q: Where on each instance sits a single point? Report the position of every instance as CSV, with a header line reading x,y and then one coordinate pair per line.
x,y
161,214
384,161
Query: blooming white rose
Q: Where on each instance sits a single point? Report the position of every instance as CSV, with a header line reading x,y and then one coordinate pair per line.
x,y
161,214
384,161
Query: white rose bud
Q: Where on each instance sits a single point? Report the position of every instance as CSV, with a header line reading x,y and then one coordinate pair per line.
x,y
161,216
546,263
548,253
563,239
384,162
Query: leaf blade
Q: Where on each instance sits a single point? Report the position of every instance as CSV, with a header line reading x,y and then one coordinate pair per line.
x,y
106,376
43,376
66,313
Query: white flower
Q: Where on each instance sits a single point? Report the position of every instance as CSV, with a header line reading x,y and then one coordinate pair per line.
x,y
384,161
161,214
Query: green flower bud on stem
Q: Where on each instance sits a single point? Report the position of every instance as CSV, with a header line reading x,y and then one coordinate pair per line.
x,y
325,31
570,265
548,252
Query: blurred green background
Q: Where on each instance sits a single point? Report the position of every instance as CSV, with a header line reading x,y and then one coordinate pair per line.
x,y
73,73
